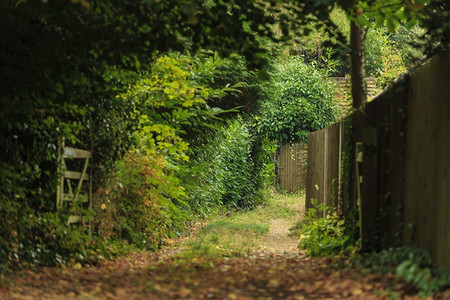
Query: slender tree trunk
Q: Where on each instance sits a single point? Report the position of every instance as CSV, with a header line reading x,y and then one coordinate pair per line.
x,y
359,98
357,65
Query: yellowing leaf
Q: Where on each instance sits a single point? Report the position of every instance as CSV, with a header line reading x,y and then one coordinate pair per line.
x,y
273,283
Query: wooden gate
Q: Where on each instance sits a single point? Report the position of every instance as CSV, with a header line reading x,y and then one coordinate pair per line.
x,y
74,186
291,165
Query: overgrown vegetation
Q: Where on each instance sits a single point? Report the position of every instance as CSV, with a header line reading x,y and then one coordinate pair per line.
x,y
239,233
183,163
410,265
170,172
169,143
323,232
327,236
300,100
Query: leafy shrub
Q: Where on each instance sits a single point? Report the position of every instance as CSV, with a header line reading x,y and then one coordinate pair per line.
x,y
422,275
384,59
29,239
173,98
229,168
410,264
146,211
167,178
300,100
324,236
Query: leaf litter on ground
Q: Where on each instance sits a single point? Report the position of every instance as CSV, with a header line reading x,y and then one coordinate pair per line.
x,y
248,255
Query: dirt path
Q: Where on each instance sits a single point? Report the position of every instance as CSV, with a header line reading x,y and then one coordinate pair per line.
x,y
279,240
277,270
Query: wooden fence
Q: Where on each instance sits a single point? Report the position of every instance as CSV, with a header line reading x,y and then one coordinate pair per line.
x,y
74,186
397,166
323,160
291,167
343,91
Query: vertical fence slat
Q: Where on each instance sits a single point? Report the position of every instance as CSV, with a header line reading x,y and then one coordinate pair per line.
x,y
292,167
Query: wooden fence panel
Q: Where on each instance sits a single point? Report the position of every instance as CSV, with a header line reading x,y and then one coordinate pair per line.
x,y
405,166
324,159
292,167
314,171
332,161
427,180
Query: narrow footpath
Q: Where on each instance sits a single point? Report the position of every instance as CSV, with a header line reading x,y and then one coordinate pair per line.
x,y
249,256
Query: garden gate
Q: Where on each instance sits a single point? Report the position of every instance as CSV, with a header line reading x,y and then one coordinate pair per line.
x,y
74,186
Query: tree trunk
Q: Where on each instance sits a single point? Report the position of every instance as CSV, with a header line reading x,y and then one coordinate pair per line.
x,y
357,65
359,98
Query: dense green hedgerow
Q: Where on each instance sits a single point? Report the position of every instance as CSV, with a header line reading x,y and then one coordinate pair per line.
x,y
300,100
231,168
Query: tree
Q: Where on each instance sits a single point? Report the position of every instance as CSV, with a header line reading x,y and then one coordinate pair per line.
x,y
362,14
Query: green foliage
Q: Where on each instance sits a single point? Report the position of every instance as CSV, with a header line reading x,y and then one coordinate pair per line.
x,y
388,13
300,100
145,203
411,265
324,236
231,167
149,209
164,180
426,279
250,90
31,240
173,98
437,25
383,57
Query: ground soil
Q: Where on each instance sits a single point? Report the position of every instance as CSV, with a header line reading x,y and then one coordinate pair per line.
x,y
277,270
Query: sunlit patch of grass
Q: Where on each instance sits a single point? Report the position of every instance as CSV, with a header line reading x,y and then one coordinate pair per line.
x,y
234,226
238,233
231,236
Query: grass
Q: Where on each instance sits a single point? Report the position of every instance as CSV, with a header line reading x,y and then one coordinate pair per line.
x,y
240,232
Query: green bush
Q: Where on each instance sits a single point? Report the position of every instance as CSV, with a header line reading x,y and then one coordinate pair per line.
x,y
150,207
410,264
31,240
186,160
300,100
231,168
324,236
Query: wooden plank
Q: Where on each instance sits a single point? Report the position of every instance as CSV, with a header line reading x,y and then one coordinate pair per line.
x,y
369,190
80,198
60,186
332,161
80,182
74,219
427,180
75,175
315,173
311,171
70,152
